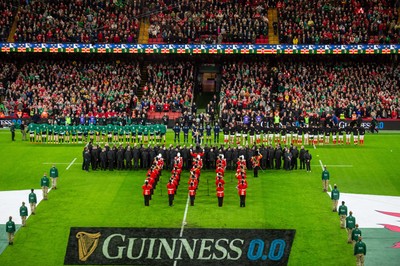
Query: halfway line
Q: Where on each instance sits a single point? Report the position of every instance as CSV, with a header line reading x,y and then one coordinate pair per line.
x,y
71,164
183,221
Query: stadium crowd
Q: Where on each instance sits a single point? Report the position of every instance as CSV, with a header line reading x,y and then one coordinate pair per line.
x,y
47,89
338,22
288,88
347,89
299,22
169,87
208,21
7,12
78,21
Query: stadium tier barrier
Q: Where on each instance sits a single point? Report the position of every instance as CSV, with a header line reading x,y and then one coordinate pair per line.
x,y
226,49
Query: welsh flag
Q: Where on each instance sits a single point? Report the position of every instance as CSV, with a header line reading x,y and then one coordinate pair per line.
x,y
379,221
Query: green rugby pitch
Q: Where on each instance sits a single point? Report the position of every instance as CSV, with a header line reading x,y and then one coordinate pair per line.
x,y
275,200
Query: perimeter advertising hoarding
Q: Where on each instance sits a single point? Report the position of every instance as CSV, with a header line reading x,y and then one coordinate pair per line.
x,y
162,246
383,124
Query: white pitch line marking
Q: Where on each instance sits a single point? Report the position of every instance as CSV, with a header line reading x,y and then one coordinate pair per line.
x,y
59,163
322,166
71,163
337,165
183,221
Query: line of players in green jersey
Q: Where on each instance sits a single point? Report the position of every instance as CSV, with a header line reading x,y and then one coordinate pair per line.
x,y
53,133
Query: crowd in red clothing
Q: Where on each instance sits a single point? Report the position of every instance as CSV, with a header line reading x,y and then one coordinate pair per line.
x,y
369,89
169,86
208,21
198,21
7,11
68,87
78,21
338,22
292,86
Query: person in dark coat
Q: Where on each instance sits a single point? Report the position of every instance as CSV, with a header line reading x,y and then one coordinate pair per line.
x,y
93,157
128,157
295,155
152,154
264,153
87,159
287,159
173,154
120,158
278,155
185,157
235,156
228,157
271,156
111,159
301,157
103,159
135,156
307,158
211,159
145,158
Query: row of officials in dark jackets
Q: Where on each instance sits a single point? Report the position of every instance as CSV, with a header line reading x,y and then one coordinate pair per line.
x,y
139,156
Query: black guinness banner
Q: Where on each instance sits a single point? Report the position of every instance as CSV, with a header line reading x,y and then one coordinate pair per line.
x,y
151,246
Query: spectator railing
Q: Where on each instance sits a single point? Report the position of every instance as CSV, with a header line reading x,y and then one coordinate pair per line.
x,y
226,49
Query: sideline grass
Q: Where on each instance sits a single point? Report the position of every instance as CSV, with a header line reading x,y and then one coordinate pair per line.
x,y
276,200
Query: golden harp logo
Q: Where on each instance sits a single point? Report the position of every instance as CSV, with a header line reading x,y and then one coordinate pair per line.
x,y
87,244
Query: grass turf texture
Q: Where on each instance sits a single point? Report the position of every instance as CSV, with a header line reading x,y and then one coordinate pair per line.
x,y
276,200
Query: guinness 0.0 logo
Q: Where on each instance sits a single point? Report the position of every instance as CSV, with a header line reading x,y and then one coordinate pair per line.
x,y
87,244
165,246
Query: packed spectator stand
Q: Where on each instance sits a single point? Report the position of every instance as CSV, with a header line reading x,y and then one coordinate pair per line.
x,y
338,22
208,21
169,87
199,21
293,87
7,10
47,88
78,21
